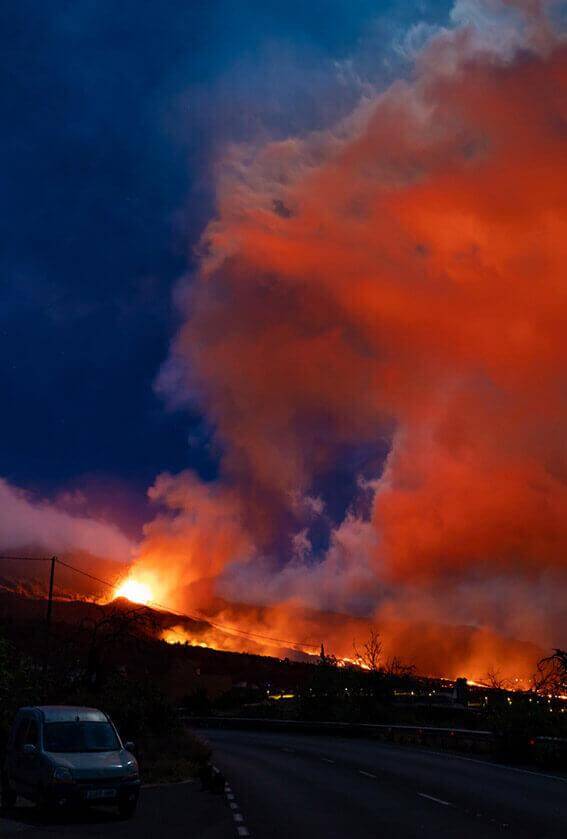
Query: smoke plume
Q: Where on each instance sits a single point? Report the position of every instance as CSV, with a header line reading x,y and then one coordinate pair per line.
x,y
388,297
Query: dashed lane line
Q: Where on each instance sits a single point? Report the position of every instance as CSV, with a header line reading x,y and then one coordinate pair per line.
x,y
437,800
168,784
421,794
241,828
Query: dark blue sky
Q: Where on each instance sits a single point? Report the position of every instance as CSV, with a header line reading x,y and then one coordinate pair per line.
x,y
112,114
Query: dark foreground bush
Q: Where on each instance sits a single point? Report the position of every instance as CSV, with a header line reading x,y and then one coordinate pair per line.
x,y
166,750
175,756
18,679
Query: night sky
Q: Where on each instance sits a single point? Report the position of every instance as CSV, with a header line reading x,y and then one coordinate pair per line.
x,y
114,114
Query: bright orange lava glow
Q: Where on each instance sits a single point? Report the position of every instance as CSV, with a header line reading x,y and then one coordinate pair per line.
x,y
134,591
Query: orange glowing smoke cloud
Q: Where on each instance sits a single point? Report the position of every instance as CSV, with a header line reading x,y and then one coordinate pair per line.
x,y
400,278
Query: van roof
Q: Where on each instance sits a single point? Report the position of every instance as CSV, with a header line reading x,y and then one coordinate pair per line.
x,y
68,713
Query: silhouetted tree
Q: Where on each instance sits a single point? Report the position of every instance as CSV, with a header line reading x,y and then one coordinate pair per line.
x,y
551,674
495,680
399,669
115,626
370,655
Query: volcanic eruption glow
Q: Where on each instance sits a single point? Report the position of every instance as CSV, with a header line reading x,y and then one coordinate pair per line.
x,y
135,591
381,304
374,333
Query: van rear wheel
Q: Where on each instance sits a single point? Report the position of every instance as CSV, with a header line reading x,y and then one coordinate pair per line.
x,y
9,796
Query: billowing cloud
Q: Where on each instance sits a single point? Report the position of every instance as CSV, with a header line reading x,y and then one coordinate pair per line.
x,y
396,281
44,527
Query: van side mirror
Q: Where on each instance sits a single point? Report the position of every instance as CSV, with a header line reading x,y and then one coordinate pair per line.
x,y
130,746
29,749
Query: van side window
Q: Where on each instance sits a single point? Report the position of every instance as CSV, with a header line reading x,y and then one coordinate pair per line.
x,y
21,732
31,737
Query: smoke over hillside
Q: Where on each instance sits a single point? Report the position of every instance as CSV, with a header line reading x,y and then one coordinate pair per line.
x,y
388,297
376,334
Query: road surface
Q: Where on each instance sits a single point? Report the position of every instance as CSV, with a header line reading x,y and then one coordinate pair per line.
x,y
173,811
297,786
287,786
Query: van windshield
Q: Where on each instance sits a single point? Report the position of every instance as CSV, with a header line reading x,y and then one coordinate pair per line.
x,y
79,737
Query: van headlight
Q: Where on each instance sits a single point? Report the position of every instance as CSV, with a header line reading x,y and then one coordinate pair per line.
x,y
62,775
131,770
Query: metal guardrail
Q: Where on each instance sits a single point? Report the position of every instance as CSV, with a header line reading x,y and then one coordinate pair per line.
x,y
363,728
330,724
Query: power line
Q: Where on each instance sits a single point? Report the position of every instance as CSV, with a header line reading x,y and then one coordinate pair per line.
x,y
195,616
200,616
235,632
86,574
27,558
258,635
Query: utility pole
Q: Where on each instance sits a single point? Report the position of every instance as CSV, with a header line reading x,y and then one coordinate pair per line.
x,y
53,560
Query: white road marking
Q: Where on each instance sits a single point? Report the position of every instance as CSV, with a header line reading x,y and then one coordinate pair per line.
x,y
327,760
366,774
168,784
437,800
241,829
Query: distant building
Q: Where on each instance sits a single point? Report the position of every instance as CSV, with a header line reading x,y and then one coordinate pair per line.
x,y
461,692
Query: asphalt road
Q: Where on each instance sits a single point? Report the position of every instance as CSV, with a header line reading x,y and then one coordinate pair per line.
x,y
173,811
315,786
296,786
